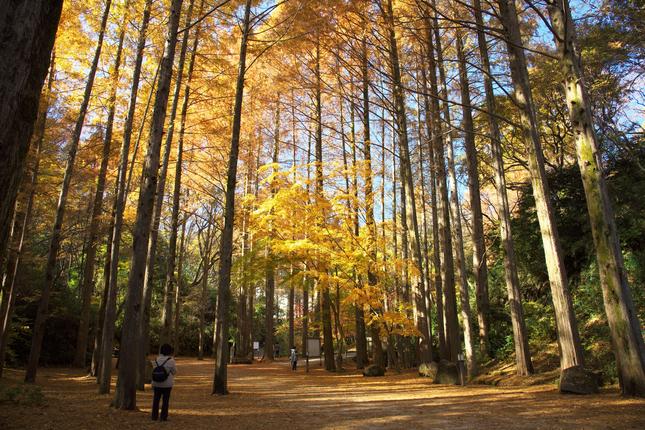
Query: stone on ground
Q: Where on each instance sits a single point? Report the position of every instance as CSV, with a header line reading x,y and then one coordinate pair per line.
x,y
578,380
374,370
447,373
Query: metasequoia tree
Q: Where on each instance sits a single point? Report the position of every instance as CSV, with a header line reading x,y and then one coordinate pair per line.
x,y
28,31
568,337
625,329
56,236
125,397
220,378
97,206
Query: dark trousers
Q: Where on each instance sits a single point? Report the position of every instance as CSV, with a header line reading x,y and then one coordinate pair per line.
x,y
159,392
294,364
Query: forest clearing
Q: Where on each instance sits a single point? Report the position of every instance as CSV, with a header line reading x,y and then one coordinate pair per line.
x,y
270,396
422,196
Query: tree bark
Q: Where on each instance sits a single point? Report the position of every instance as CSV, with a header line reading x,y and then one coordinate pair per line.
x,y
87,288
220,378
623,321
54,245
568,337
13,263
27,34
125,397
166,331
451,334
480,268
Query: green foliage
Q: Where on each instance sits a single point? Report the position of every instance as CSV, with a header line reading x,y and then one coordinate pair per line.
x,y
22,394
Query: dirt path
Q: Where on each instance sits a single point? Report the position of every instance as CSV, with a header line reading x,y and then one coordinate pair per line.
x,y
270,396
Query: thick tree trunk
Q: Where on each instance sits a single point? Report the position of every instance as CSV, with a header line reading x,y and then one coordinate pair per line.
x,y
27,34
623,321
87,288
568,337
126,394
56,237
220,378
13,263
480,268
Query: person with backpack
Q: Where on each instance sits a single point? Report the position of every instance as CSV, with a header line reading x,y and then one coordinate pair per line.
x,y
163,378
293,358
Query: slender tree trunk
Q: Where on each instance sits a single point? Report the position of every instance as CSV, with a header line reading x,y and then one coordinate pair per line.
x,y
13,263
126,394
87,288
456,217
54,246
108,303
623,321
206,266
220,378
328,340
568,337
443,213
480,268
409,218
27,34
166,332
179,285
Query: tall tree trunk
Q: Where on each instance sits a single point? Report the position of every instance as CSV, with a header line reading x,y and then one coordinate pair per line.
x,y
206,266
220,378
27,34
443,213
568,337
480,268
623,321
409,218
126,395
328,340
269,320
87,288
179,285
54,246
166,331
13,263
108,303
456,215
503,209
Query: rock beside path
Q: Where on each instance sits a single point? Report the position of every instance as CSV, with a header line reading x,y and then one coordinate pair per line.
x,y
374,370
447,373
578,380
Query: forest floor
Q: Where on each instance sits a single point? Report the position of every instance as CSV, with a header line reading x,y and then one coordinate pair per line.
x,y
271,396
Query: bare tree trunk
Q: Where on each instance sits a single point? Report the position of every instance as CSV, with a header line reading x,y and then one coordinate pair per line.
x,y
447,267
456,217
87,288
166,331
623,321
13,263
409,218
220,378
205,249
126,393
480,268
179,286
568,337
27,33
54,246
328,340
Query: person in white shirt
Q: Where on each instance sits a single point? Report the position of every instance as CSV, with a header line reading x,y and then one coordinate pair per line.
x,y
163,378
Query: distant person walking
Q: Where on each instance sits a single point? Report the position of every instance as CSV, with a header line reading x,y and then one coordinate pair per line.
x,y
293,358
163,378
